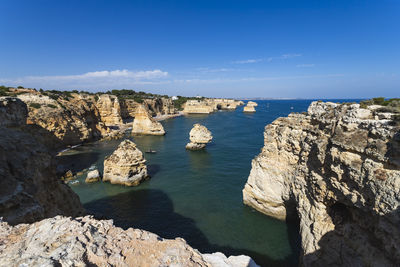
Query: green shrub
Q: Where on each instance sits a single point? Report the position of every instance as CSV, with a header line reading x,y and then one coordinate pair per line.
x,y
20,87
35,105
379,101
51,106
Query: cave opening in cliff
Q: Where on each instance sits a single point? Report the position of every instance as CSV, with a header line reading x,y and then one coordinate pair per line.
x,y
219,107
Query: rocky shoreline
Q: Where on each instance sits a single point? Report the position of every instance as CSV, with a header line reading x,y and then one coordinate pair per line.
x,y
336,167
33,195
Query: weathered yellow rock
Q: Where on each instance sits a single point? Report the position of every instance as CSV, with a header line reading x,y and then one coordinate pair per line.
x,y
209,105
70,121
199,136
109,109
338,167
145,124
93,176
249,109
126,165
30,189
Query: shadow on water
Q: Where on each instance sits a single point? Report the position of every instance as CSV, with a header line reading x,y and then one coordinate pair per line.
x,y
78,161
153,169
153,210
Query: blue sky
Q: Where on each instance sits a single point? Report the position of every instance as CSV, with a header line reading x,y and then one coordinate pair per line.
x,y
299,49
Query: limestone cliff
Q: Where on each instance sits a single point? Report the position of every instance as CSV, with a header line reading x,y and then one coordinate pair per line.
x,y
209,105
126,165
72,121
109,110
338,167
197,106
155,107
160,106
145,124
62,241
29,187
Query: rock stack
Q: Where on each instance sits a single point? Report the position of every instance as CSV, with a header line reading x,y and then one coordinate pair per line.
x,y
145,124
126,165
250,107
199,136
93,176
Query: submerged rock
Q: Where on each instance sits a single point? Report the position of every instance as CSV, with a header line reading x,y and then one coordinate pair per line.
x,y
93,176
145,124
199,136
126,165
338,167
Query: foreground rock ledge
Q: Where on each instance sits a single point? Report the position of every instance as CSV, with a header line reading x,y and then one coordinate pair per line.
x,y
62,241
199,136
126,165
338,167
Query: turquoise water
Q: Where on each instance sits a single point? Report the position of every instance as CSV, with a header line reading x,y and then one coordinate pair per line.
x,y
197,195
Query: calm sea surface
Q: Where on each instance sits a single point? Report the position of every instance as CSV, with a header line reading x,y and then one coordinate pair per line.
x,y
197,195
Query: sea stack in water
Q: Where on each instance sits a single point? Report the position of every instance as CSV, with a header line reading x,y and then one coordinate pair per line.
x,y
93,176
126,165
199,136
145,124
250,107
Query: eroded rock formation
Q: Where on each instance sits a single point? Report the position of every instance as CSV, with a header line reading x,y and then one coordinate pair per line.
x,y
126,165
84,241
109,110
250,107
199,136
93,176
197,106
155,107
72,121
209,105
145,124
338,167
29,187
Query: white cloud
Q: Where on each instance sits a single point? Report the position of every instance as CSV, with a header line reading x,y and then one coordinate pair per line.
x,y
305,65
95,79
210,70
284,56
247,61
